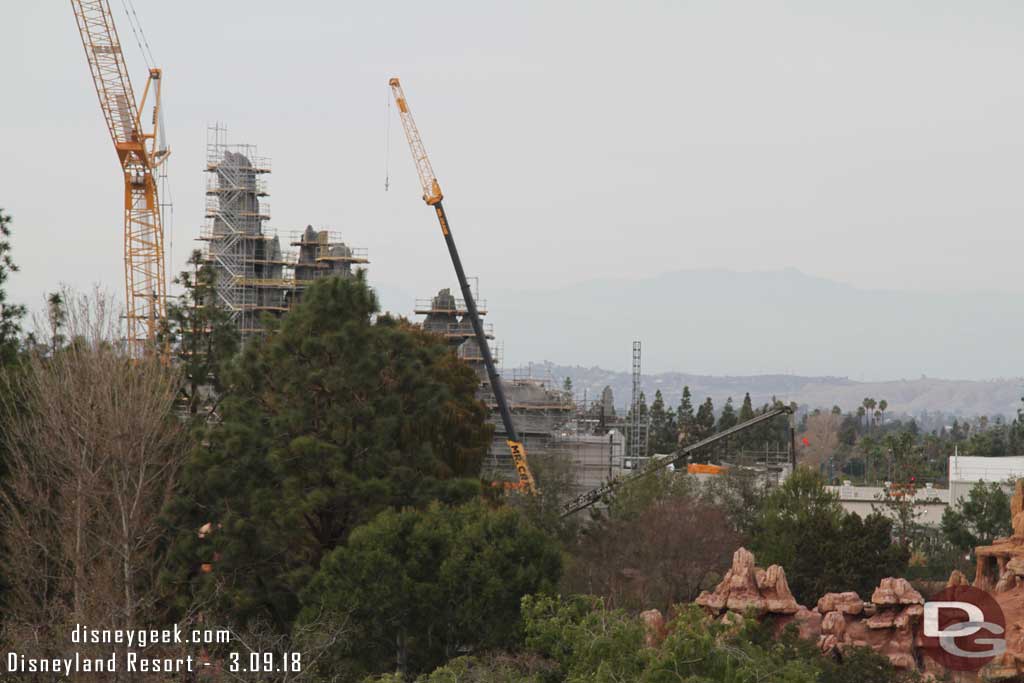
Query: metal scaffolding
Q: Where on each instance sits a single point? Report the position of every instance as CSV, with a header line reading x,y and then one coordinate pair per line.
x,y
537,405
254,274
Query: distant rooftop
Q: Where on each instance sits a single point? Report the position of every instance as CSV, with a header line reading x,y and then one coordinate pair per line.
x,y
974,468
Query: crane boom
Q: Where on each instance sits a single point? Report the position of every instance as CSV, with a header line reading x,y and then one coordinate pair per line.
x,y
587,499
139,156
432,196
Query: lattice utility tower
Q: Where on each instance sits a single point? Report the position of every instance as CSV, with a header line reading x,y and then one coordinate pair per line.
x,y
637,444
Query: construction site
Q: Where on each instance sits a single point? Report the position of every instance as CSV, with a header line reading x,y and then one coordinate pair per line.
x,y
257,274
327,469
260,273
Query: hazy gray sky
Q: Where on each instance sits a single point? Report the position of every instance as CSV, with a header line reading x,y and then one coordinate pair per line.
x,y
877,143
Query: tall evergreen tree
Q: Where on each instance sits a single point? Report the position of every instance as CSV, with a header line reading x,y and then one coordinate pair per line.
x,y
705,420
728,418
57,317
10,314
202,335
1016,436
663,427
747,409
339,414
686,422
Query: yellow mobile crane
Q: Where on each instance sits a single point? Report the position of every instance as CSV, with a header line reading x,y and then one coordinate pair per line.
x,y
432,196
139,154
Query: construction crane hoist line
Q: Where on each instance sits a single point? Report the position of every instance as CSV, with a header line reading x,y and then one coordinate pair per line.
x,y
432,196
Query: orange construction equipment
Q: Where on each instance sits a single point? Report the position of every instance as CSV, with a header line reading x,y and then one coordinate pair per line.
x,y
432,196
140,153
697,468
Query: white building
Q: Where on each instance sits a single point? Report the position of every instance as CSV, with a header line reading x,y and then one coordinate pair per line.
x,y
863,500
965,471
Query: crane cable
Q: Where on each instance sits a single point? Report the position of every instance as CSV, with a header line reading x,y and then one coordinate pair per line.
x,y
140,35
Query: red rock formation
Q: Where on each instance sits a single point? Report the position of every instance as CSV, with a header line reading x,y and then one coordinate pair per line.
x,y
747,587
1001,571
839,620
890,623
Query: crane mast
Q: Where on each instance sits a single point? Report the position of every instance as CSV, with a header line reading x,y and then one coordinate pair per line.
x,y
432,196
139,154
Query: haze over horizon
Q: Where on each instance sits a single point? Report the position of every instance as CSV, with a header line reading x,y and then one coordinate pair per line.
x,y
875,147
723,323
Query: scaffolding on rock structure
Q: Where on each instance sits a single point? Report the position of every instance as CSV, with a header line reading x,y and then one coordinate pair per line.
x,y
255,274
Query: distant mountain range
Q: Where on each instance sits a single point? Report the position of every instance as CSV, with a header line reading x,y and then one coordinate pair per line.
x,y
958,397
782,332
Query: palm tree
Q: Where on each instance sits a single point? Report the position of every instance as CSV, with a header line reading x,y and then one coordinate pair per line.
x,y
871,403
882,406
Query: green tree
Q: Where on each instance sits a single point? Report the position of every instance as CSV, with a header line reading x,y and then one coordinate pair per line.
x,y
331,419
704,424
57,317
747,409
981,518
567,385
740,493
746,439
663,427
10,314
685,420
727,419
993,442
203,336
421,586
802,527
869,409
1015,439
593,644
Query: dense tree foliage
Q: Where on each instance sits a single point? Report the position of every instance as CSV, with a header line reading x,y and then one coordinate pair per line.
x,y
10,314
333,418
802,527
663,427
579,640
420,587
982,517
202,336
685,419
704,423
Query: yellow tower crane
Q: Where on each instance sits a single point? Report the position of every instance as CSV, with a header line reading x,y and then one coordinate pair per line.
x,y
432,196
140,155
